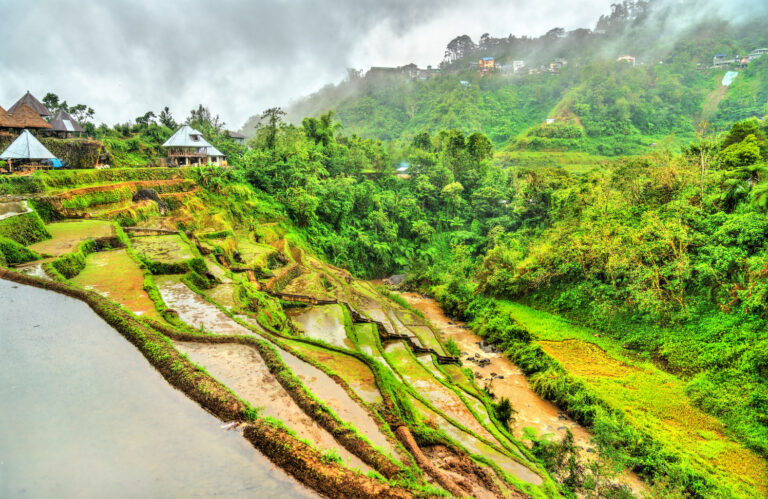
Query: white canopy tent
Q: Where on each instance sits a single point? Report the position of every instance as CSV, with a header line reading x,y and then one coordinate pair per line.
x,y
26,146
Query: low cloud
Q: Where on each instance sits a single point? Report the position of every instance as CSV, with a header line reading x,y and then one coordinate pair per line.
x,y
124,57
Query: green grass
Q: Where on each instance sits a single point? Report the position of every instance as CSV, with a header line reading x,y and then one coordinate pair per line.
x,y
116,275
652,399
163,249
66,236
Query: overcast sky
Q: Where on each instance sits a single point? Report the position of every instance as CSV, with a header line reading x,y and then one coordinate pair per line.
x,y
125,57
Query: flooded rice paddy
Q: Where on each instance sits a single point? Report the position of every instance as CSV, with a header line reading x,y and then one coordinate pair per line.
x,y
336,398
13,208
166,249
116,275
241,368
66,236
86,416
324,322
194,309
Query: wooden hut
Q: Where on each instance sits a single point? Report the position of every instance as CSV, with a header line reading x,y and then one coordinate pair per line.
x,y
65,126
30,101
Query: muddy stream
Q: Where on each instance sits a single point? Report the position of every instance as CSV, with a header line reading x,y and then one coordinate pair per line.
x,y
504,379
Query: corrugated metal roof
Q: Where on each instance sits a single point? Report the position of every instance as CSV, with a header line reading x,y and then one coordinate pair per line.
x,y
186,136
33,103
64,122
212,151
26,146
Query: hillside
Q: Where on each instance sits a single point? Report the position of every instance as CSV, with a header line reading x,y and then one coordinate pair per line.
x,y
645,276
601,105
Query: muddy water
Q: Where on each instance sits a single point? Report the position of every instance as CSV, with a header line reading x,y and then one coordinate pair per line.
x,y
323,322
242,369
8,210
533,411
35,269
334,396
85,415
504,379
194,309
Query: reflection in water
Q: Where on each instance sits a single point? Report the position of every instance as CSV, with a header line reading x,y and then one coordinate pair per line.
x,y
324,322
8,210
194,309
86,416
336,398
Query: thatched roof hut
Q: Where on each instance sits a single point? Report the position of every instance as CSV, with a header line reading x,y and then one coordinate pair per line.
x,y
64,124
31,101
7,121
26,117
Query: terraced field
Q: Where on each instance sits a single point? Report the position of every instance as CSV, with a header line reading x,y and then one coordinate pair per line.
x,y
654,400
67,235
361,381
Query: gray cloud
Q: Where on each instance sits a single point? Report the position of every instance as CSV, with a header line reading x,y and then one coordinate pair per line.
x,y
124,57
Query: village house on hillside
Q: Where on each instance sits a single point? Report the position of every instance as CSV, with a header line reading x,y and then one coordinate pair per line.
x,y
757,53
627,58
486,64
557,65
723,61
7,122
239,138
187,147
27,112
65,126
26,117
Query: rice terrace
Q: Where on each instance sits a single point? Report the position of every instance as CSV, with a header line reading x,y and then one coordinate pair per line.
x,y
516,250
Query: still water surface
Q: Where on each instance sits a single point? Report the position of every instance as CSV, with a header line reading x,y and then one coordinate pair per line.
x,y
82,414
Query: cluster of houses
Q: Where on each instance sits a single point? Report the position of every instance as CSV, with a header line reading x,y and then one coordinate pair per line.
x,y
28,113
723,61
486,64
186,147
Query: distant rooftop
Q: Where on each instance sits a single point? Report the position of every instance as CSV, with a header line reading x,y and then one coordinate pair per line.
x,y
64,122
33,103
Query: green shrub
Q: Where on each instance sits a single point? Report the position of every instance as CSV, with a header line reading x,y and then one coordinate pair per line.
x,y
12,252
81,202
196,280
25,229
71,264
